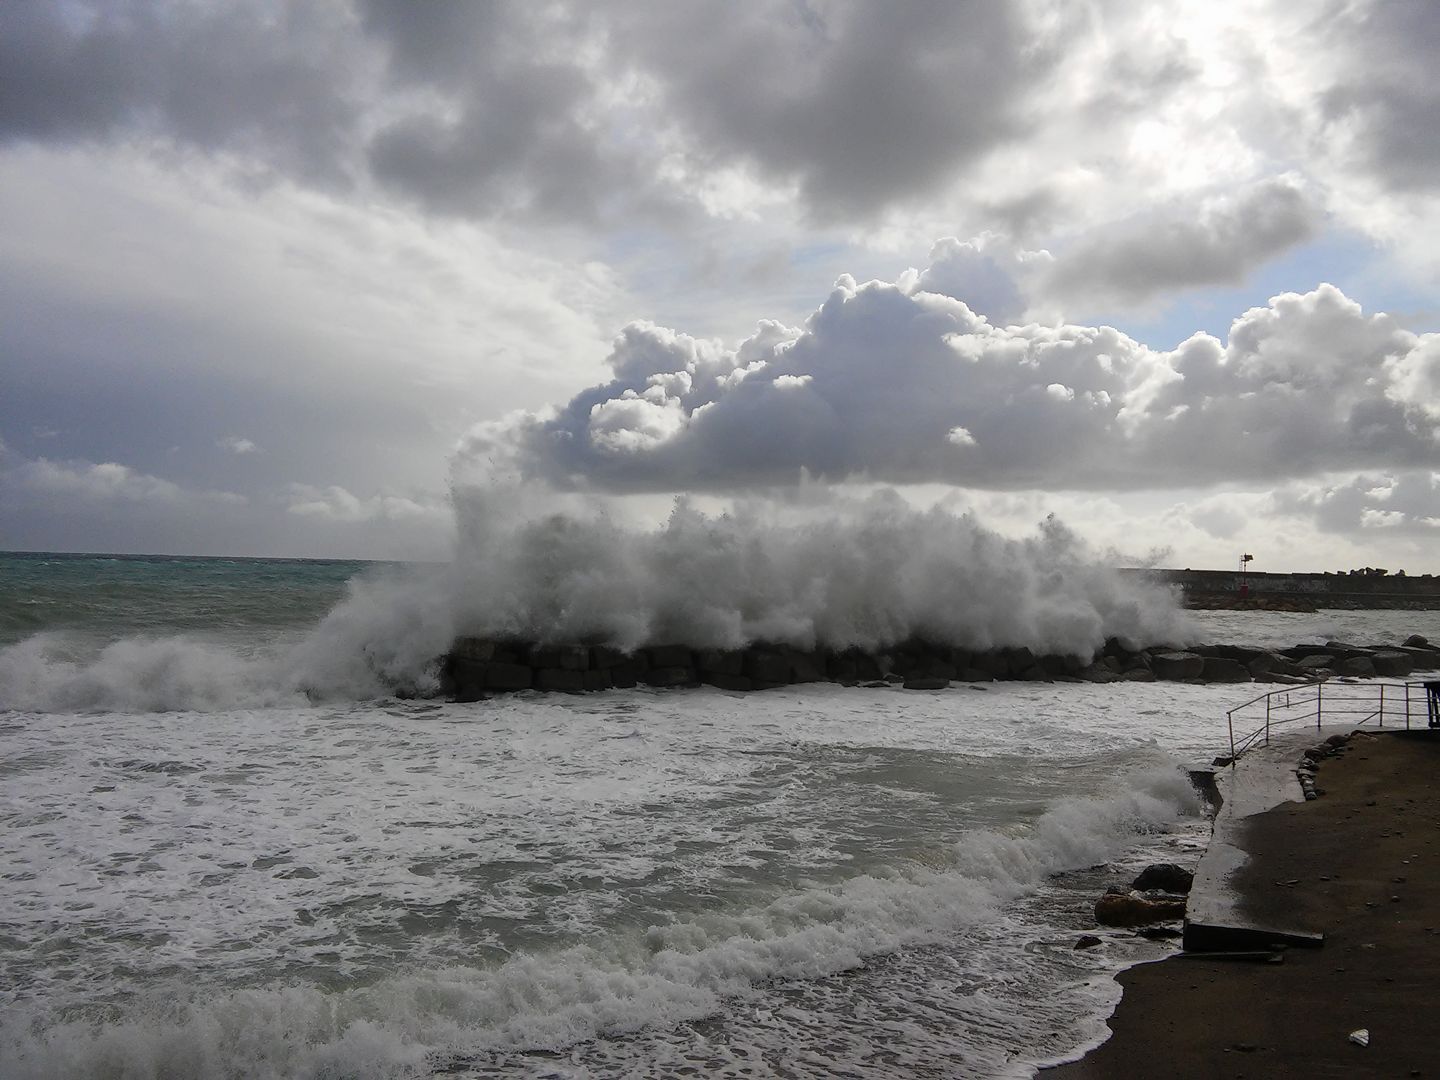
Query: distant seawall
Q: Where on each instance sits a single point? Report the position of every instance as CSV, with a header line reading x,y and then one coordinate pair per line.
x,y
1203,588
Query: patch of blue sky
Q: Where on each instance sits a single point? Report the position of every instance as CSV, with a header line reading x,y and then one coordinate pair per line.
x,y
1347,260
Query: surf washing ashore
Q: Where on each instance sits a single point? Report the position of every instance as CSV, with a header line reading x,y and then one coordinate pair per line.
x,y
231,847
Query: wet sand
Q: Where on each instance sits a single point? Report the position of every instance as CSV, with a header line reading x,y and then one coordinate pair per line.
x,y
1360,864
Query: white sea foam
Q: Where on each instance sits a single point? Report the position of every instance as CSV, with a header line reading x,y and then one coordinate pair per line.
x,y
684,970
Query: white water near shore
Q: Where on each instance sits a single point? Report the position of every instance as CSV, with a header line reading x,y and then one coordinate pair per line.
x,y
361,891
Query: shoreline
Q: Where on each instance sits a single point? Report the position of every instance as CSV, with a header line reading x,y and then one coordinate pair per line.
x,y
1359,865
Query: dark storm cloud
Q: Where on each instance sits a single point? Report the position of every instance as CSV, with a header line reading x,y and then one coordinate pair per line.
x,y
275,84
1214,243
1384,98
552,109
859,104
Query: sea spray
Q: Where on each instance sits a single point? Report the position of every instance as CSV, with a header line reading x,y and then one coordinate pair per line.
x,y
827,571
860,573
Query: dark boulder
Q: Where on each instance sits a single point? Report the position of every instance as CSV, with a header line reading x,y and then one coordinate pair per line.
x,y
721,661
923,682
723,680
1177,665
563,680
1416,641
1166,877
1392,664
564,657
1123,908
605,656
1221,669
767,666
669,676
503,676
1359,666
669,656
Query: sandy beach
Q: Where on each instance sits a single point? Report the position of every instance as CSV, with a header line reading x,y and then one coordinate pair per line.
x,y
1361,865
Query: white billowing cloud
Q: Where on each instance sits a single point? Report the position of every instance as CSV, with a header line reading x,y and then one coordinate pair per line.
x,y
104,481
982,273
237,444
898,383
334,503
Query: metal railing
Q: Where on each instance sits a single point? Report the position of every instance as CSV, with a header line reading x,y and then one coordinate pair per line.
x,y
1335,702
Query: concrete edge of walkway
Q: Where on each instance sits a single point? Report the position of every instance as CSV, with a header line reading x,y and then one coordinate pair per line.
x,y
1262,779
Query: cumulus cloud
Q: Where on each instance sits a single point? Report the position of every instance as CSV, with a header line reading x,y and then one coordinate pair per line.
x,y
104,481
1407,502
335,503
892,381
1215,242
237,444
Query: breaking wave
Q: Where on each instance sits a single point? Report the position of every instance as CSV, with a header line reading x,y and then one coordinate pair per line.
x,y
413,1023
865,573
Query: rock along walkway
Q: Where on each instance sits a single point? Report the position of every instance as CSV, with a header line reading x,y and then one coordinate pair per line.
x,y
1360,865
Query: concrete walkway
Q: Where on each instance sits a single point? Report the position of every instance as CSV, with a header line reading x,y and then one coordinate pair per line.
x,y
1261,780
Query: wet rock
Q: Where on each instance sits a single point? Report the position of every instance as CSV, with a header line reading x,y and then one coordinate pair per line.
x,y
563,680
605,656
723,680
1392,664
925,682
1166,877
1177,665
1313,662
598,680
805,667
1222,669
1416,641
1357,666
1139,674
1087,941
473,648
669,656
503,676
766,666
669,676
1123,908
564,657
720,661
627,673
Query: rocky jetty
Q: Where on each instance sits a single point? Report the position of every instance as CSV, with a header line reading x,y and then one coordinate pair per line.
x,y
478,667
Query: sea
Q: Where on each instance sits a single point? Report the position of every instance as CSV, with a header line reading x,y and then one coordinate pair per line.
x,y
237,839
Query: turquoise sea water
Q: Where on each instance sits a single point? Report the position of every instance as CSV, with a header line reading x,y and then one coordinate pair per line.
x,y
109,596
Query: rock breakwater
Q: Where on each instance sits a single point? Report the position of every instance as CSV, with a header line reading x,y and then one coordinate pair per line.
x,y
475,667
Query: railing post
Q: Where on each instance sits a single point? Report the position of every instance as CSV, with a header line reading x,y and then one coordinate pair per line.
x,y
1267,719
1407,706
1230,719
1382,704
1319,705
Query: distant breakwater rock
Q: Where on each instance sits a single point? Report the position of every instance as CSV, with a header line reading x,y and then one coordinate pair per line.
x,y
475,668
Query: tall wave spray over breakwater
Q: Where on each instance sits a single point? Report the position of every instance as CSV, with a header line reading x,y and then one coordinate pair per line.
x,y
864,573
831,573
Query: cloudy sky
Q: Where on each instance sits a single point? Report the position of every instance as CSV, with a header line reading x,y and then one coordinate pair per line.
x,y
273,275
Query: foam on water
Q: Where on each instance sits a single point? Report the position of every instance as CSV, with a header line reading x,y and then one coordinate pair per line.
x,y
741,942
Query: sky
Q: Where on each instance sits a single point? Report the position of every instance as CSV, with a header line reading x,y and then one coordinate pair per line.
x,y
276,277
